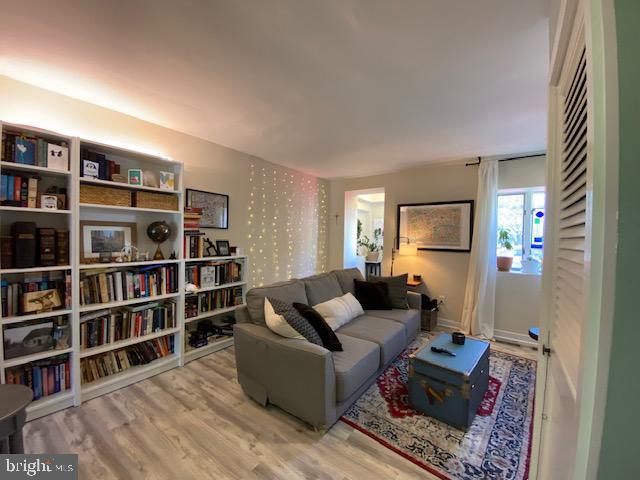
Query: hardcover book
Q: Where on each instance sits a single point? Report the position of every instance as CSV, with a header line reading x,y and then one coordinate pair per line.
x,y
24,237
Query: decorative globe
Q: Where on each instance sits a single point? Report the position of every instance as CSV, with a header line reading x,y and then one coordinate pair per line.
x,y
159,231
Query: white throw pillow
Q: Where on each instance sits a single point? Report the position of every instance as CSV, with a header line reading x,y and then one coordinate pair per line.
x,y
277,323
340,310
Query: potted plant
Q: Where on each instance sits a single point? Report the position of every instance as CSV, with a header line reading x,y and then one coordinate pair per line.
x,y
371,248
504,240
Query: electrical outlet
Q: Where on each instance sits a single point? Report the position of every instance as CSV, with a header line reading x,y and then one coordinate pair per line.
x,y
442,299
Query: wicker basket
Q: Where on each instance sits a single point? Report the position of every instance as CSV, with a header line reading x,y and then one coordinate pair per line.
x,y
161,201
117,197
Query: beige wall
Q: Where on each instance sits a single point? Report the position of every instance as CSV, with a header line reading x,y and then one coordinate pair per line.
x,y
445,273
277,214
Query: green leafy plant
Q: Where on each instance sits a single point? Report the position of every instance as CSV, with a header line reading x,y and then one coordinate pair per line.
x,y
359,231
505,239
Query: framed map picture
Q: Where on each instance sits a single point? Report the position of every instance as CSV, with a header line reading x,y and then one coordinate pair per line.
x,y
442,226
215,207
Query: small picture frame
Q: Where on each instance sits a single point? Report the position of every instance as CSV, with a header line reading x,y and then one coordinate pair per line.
x,y
49,202
100,240
41,301
135,176
57,157
222,246
167,181
90,169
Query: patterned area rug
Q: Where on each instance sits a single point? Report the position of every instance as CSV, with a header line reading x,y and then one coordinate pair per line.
x,y
498,443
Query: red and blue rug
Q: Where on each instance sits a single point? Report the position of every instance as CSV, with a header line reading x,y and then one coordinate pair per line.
x,y
496,446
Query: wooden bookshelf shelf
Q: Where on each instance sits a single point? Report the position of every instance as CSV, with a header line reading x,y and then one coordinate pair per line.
x,y
56,268
215,259
49,404
125,343
33,169
217,287
208,349
97,266
128,209
34,316
211,313
124,303
104,183
14,362
6,208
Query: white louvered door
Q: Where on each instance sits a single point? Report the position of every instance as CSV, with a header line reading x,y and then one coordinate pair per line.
x,y
567,260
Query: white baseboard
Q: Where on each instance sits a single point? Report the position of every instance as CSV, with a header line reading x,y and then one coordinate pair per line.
x,y
445,322
514,337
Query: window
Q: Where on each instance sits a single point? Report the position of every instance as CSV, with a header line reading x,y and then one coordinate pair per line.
x,y
521,215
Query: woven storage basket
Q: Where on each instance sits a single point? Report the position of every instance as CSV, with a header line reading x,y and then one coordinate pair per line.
x,y
117,197
161,201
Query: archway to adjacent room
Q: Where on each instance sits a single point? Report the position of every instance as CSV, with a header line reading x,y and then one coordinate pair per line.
x,y
364,229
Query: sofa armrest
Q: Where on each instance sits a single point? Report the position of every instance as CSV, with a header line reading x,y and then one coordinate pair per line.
x,y
296,375
415,300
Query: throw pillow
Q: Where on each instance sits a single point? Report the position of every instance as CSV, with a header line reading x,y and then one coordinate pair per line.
x,y
373,295
397,290
339,310
283,319
330,340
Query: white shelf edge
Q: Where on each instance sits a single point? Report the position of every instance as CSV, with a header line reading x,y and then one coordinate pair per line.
x,y
211,313
33,168
97,266
14,362
217,287
34,316
215,259
129,209
210,348
7,208
133,301
56,268
89,352
95,181
49,404
127,377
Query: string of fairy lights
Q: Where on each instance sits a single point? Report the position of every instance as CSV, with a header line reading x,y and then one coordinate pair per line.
x,y
286,224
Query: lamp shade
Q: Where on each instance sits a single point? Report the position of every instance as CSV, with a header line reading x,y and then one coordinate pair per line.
x,y
408,250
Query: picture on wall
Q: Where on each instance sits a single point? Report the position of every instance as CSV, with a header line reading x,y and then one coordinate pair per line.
x,y
215,207
443,226
105,239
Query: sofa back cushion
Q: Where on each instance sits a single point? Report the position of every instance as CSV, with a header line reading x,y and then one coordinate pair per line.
x,y
321,288
397,289
346,279
290,291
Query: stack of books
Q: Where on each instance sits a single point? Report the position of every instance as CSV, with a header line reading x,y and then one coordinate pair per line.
x,y
112,285
96,165
115,361
17,297
213,274
19,191
28,150
106,326
211,301
44,377
193,238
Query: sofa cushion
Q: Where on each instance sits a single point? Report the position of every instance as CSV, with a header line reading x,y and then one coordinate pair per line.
x,y
290,291
340,310
353,366
323,287
397,289
373,295
409,318
327,335
279,315
346,277
389,335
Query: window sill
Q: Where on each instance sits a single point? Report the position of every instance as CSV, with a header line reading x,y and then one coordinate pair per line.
x,y
516,272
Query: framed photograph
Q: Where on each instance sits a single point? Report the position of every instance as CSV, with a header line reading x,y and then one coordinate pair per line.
x,y
222,246
28,338
41,301
135,176
440,226
215,208
100,239
167,181
49,202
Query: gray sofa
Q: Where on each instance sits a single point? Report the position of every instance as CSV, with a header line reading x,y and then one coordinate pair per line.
x,y
308,380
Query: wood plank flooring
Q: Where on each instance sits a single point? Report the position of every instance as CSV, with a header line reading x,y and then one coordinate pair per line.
x,y
196,422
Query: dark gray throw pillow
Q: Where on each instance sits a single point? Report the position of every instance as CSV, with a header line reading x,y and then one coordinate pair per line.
x,y
295,320
397,289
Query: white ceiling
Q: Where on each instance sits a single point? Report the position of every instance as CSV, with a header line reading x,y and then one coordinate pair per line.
x,y
330,87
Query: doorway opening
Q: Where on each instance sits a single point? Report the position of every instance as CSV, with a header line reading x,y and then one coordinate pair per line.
x,y
364,230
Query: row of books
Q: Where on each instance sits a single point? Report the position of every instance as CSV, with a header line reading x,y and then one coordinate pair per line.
x,y
96,165
106,326
213,300
19,191
44,377
213,274
118,285
116,361
29,246
36,292
29,150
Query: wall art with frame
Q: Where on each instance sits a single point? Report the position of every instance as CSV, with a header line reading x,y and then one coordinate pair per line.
x,y
215,207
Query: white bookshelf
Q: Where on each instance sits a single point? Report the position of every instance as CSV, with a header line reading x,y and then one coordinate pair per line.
x,y
70,219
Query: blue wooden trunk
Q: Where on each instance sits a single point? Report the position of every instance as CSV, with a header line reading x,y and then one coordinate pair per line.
x,y
449,388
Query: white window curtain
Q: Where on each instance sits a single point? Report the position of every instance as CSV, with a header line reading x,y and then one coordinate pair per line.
x,y
480,294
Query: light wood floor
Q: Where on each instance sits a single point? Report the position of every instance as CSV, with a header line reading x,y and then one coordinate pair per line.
x,y
196,422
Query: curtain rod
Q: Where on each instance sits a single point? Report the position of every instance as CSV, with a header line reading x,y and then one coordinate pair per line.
x,y
505,159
